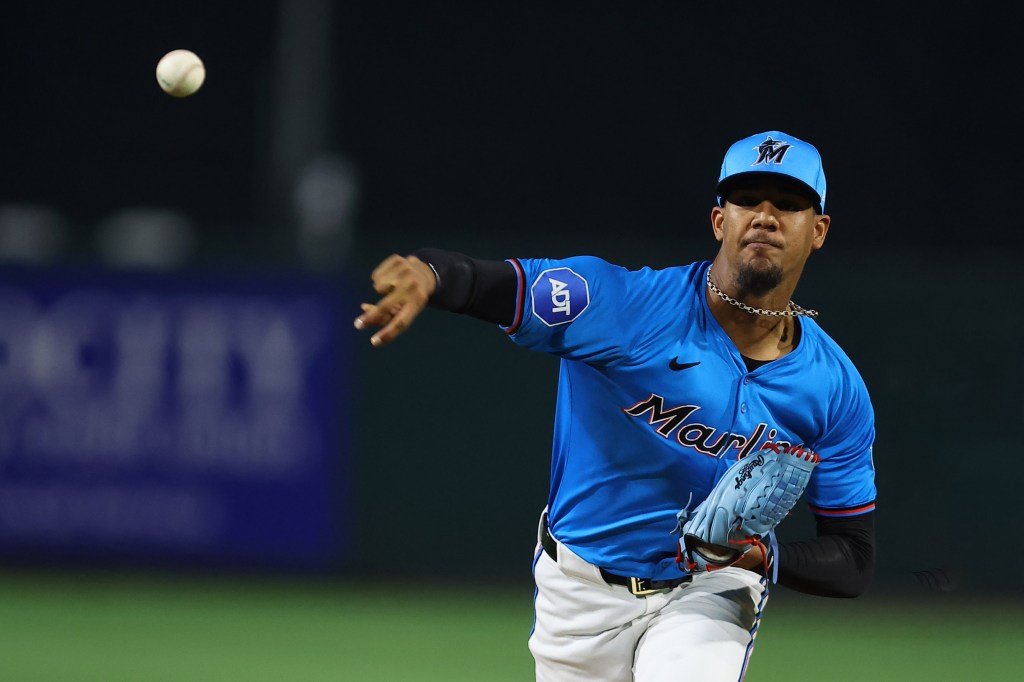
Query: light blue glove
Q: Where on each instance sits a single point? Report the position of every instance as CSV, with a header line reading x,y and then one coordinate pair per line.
x,y
751,498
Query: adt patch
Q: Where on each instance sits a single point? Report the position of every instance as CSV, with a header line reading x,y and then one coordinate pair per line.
x,y
559,296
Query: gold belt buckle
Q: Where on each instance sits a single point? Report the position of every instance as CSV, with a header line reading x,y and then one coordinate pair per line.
x,y
641,587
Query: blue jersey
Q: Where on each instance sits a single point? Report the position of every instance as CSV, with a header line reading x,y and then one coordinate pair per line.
x,y
655,402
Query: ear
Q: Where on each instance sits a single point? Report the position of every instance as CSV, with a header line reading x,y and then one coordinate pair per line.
x,y
717,222
821,224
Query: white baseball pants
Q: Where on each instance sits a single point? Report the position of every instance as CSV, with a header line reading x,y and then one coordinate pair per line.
x,y
590,631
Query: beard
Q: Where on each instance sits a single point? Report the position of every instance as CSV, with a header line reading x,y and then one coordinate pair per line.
x,y
759,280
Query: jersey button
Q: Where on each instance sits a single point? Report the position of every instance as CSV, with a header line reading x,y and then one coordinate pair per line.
x,y
743,408
746,380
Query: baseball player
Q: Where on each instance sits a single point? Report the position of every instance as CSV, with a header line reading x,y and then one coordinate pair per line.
x,y
675,386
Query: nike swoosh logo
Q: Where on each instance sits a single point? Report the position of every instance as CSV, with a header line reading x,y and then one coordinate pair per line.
x,y
677,366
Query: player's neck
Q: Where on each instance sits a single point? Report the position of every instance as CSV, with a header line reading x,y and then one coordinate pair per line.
x,y
755,336
759,337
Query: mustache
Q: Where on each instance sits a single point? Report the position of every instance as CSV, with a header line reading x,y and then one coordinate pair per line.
x,y
759,239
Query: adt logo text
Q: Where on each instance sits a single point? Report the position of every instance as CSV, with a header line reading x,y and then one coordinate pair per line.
x,y
559,296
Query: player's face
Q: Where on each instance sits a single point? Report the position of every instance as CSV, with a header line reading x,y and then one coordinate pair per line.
x,y
768,229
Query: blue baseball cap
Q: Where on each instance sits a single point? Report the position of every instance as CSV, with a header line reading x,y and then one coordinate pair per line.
x,y
774,152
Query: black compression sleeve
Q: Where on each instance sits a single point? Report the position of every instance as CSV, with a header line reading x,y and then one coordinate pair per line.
x,y
484,289
839,562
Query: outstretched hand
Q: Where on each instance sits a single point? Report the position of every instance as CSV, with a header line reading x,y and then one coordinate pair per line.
x,y
405,283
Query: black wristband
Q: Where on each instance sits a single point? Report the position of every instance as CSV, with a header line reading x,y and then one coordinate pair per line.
x,y
483,289
455,277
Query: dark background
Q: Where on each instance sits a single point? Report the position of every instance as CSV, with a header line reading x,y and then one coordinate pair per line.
x,y
529,129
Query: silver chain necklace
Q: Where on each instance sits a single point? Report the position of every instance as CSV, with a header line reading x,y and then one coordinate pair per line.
x,y
793,310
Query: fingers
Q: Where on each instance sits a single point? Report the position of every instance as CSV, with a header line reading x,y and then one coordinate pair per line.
x,y
375,315
392,320
399,322
405,285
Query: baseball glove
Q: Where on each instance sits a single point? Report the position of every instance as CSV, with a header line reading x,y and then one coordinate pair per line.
x,y
751,498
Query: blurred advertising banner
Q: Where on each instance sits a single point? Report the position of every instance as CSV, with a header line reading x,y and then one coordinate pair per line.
x,y
189,419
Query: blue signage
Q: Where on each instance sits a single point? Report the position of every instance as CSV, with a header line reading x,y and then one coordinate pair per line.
x,y
172,418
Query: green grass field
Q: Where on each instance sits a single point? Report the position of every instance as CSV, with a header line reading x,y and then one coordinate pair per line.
x,y
77,629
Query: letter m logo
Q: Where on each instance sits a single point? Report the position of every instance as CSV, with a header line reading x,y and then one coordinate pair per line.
x,y
771,151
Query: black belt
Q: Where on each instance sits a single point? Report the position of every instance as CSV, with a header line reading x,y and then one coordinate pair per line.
x,y
640,587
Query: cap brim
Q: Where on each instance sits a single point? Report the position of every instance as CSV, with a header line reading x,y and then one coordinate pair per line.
x,y
727,185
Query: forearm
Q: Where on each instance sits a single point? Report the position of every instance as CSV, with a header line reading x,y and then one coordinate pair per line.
x,y
839,562
484,289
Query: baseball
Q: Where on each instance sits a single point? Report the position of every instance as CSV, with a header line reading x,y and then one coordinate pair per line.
x,y
180,73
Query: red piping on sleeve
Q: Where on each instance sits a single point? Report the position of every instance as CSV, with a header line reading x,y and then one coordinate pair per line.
x,y
843,512
520,297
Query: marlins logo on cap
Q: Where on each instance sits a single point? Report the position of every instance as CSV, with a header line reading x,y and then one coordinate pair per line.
x,y
774,152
